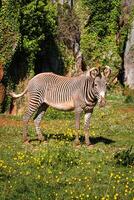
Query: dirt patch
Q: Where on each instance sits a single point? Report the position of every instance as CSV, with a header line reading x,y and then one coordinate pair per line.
x,y
127,110
5,121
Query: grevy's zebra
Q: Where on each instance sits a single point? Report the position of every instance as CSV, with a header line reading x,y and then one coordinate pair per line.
x,y
79,93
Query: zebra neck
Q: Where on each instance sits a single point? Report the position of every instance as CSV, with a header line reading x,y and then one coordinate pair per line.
x,y
89,92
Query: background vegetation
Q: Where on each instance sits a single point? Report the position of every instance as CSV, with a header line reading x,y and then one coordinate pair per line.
x,y
99,35
38,35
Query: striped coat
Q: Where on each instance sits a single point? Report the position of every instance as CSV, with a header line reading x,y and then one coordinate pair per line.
x,y
79,93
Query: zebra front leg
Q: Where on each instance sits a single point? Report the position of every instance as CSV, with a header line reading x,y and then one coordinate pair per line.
x,y
77,126
86,127
37,120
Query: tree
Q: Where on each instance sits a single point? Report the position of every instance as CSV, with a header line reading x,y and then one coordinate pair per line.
x,y
128,53
69,33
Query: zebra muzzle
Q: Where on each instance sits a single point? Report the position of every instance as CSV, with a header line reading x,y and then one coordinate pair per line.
x,y
102,102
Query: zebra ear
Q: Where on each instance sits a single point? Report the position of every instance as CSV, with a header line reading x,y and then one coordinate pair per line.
x,y
107,71
93,72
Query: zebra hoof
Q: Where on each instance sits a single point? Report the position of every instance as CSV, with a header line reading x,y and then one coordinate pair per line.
x,y
90,146
77,142
26,140
41,138
45,142
88,143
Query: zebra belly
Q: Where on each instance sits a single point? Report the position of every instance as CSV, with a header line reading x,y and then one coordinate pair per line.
x,y
66,106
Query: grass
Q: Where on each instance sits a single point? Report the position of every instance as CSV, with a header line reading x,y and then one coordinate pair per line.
x,y
58,170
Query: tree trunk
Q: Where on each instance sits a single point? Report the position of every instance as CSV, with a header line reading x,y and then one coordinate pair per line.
x,y
129,56
79,61
129,59
2,93
2,87
70,2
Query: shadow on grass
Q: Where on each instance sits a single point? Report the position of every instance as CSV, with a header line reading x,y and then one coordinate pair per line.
x,y
94,140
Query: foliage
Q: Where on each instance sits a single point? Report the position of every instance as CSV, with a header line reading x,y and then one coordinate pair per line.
x,y
98,40
38,24
125,157
25,27
58,170
9,30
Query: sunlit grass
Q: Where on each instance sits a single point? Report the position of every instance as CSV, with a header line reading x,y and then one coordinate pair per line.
x,y
59,170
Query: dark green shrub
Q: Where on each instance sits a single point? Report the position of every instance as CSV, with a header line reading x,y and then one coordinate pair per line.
x,y
129,95
125,158
129,99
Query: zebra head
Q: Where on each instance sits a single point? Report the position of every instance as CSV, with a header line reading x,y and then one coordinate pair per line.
x,y
100,84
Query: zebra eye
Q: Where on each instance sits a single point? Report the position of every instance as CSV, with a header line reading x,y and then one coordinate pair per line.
x,y
95,84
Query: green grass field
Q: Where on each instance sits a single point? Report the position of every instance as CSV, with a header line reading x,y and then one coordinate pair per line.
x,y
60,171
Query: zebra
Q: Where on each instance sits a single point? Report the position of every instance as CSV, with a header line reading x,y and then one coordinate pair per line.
x,y
80,93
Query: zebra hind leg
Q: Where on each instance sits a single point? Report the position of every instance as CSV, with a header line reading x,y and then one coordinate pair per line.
x,y
26,117
31,109
37,120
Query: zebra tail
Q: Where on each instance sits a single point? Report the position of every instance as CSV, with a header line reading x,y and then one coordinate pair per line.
x,y
16,96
